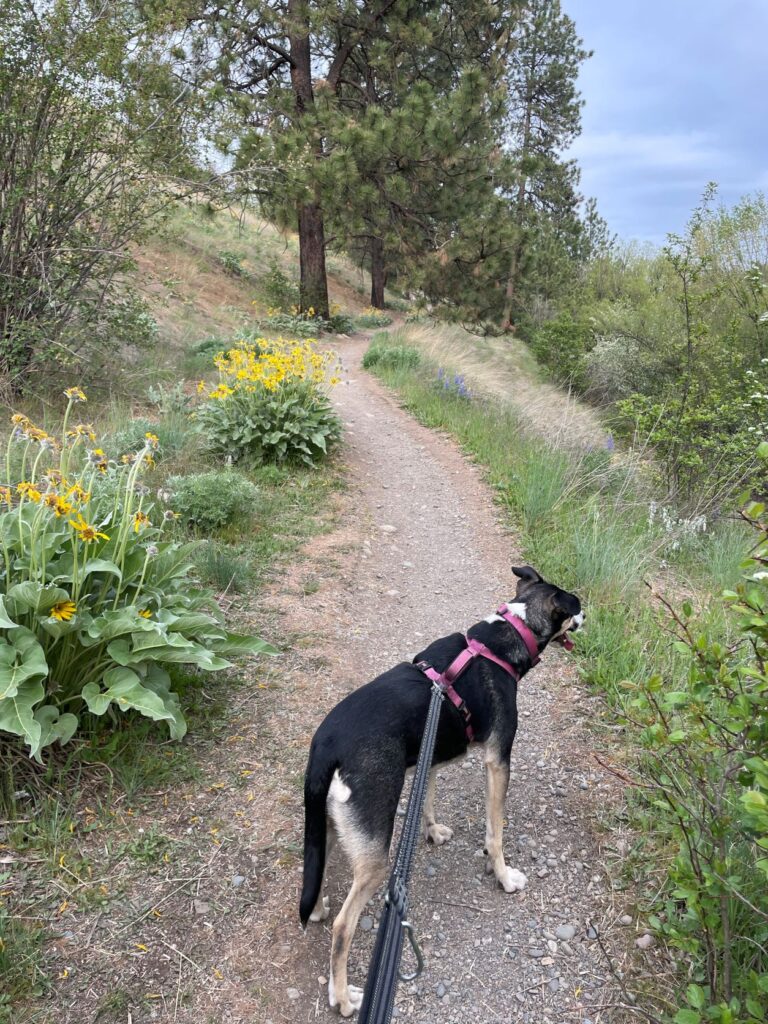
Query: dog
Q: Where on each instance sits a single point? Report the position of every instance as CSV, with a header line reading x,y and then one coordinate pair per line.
x,y
360,753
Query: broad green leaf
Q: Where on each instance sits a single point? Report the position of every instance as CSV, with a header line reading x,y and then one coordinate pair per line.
x,y
696,996
101,565
54,726
173,649
117,623
21,659
687,1017
5,622
16,711
36,597
125,690
234,644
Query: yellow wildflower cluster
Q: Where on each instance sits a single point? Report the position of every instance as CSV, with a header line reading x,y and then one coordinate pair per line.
x,y
269,365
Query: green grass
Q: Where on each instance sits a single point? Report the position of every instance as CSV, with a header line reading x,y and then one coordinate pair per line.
x,y
582,518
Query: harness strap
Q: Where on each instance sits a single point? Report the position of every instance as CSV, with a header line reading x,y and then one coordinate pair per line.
x,y
460,663
525,632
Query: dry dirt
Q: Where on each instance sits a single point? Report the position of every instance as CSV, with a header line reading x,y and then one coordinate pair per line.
x,y
208,930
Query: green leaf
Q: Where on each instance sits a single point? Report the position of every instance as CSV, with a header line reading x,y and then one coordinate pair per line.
x,y
54,726
101,565
234,644
21,659
5,622
696,996
687,1017
124,689
16,711
36,597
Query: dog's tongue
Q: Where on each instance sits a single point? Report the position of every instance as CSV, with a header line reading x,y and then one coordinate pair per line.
x,y
566,642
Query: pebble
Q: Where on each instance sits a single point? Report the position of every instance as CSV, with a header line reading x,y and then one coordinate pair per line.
x,y
625,919
366,923
201,907
322,980
387,528
440,990
565,932
591,933
645,941
431,871
535,953
554,985
237,880
293,993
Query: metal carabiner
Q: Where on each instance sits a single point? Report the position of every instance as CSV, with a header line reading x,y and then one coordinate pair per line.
x,y
408,928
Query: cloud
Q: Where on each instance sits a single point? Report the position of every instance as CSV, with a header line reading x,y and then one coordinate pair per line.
x,y
608,153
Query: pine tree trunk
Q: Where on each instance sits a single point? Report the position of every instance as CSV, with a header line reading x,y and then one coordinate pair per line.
x,y
378,273
313,285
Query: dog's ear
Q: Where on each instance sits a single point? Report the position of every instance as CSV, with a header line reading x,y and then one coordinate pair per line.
x,y
525,572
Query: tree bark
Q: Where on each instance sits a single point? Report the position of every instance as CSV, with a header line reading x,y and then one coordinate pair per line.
x,y
378,273
313,284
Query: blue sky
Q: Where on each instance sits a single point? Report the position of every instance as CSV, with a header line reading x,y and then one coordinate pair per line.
x,y
676,96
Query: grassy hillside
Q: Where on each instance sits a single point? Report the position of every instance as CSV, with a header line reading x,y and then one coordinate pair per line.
x,y
182,274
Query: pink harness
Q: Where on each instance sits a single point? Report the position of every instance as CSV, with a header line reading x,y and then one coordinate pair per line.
x,y
475,649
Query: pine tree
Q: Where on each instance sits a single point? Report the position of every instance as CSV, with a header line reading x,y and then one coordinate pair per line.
x,y
544,118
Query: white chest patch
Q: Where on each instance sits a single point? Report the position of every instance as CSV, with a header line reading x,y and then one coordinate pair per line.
x,y
513,607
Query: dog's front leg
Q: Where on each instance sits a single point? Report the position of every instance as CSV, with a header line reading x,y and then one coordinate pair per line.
x,y
496,783
438,834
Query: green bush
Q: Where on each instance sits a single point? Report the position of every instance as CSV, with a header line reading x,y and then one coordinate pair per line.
x,y
390,356
232,262
95,599
208,501
278,289
372,317
271,403
561,345
131,438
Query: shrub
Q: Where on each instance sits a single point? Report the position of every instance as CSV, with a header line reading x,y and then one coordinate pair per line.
x,y
271,403
132,437
232,262
705,773
169,399
279,290
208,501
391,356
372,317
561,345
95,598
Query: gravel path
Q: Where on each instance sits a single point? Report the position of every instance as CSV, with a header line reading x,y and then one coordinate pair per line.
x,y
432,557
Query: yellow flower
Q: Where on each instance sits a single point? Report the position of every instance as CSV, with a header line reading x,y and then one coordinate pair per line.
x,y
27,490
98,458
58,504
154,440
149,461
140,520
201,386
82,430
79,495
63,611
19,419
75,395
145,613
5,495
86,532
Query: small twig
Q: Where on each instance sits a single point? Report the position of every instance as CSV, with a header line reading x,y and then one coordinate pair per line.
x,y
621,775
175,949
467,906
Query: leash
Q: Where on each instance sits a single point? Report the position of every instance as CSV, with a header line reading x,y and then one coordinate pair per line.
x,y
381,983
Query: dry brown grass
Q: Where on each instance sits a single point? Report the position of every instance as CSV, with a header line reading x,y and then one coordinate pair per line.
x,y
504,367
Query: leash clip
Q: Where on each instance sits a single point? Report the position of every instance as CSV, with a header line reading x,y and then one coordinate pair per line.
x,y
408,929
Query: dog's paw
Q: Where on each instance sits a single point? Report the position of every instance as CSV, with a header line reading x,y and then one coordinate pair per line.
x,y
323,912
512,880
348,1004
438,834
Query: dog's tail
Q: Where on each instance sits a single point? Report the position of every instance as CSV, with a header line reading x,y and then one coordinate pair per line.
x,y
317,781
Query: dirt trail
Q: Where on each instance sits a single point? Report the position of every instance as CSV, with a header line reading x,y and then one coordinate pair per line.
x,y
422,554
417,551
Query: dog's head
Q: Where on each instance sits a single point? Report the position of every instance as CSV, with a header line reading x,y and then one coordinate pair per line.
x,y
550,612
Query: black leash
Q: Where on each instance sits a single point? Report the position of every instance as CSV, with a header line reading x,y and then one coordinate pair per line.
x,y
381,983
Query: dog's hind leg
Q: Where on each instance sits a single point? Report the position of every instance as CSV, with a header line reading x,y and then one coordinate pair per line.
x,y
437,834
322,908
370,868
496,782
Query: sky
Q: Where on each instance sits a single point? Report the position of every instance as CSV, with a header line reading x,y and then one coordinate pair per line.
x,y
676,95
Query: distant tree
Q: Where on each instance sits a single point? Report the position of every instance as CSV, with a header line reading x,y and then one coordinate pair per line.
x,y
544,118
93,126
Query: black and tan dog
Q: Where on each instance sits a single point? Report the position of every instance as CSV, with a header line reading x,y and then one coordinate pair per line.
x,y
360,754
